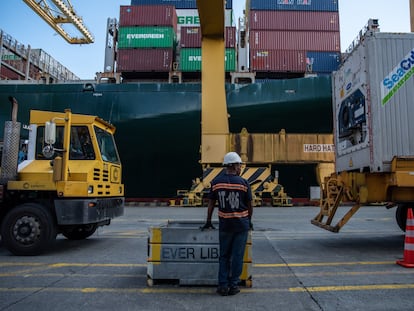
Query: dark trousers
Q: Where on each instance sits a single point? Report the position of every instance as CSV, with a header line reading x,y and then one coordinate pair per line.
x,y
232,246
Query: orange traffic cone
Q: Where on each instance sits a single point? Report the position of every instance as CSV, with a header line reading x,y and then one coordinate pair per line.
x,y
408,260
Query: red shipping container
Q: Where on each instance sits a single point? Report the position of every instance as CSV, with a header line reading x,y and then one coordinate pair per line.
x,y
230,37
144,60
8,74
191,37
294,20
277,61
147,15
295,40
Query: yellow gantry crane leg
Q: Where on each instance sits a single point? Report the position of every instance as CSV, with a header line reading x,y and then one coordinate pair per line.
x,y
214,117
58,12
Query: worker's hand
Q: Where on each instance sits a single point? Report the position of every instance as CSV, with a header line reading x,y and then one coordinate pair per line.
x,y
207,225
251,225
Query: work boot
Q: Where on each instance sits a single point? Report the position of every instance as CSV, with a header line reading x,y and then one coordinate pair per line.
x,y
223,291
233,290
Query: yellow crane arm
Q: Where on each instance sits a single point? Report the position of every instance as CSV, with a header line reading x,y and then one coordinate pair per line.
x,y
214,117
58,12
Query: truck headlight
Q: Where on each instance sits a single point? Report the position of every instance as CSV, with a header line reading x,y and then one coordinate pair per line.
x,y
90,189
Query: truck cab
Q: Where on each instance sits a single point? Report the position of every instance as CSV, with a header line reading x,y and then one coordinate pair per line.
x,y
70,182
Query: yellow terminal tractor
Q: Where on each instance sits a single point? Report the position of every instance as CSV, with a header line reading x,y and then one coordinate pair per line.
x,y
70,182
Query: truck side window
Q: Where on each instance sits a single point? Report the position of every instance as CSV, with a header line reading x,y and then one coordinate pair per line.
x,y
40,142
107,146
81,147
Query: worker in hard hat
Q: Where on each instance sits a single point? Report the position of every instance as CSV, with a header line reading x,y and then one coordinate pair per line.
x,y
234,197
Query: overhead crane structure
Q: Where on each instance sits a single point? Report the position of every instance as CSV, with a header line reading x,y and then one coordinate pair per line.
x,y
60,13
216,139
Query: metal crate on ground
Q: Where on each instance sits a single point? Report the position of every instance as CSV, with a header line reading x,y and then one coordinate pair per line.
x,y
180,252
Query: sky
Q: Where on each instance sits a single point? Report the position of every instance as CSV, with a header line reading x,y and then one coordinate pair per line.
x,y
25,26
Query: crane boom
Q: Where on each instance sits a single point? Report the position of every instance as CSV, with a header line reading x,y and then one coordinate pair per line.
x,y
59,12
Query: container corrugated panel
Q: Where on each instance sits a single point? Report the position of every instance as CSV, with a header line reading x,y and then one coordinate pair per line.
x,y
144,60
373,103
147,15
190,59
322,62
189,17
191,37
8,74
277,61
294,20
295,40
295,5
230,60
146,37
230,37
179,4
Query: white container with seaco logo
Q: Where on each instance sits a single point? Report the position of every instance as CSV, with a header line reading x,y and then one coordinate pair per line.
x,y
373,103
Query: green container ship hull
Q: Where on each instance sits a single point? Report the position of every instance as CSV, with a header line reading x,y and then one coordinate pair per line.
x,y
158,124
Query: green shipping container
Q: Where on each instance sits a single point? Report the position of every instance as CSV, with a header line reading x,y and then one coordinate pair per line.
x,y
146,37
190,59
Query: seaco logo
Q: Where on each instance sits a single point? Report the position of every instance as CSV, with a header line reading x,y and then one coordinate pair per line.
x,y
397,77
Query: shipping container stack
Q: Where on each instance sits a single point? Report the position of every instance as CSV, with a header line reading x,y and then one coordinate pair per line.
x,y
292,38
189,34
190,49
187,56
146,41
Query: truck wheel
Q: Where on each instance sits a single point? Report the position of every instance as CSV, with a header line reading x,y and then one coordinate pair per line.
x,y
79,232
401,216
28,229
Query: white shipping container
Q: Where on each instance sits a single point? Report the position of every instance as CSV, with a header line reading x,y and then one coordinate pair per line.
x,y
373,103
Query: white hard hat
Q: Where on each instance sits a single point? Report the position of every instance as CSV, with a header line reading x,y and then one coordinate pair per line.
x,y
231,158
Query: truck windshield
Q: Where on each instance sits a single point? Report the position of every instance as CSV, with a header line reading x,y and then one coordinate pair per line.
x,y
107,146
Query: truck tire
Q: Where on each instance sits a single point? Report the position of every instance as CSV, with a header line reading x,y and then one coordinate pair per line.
x,y
401,216
80,232
28,229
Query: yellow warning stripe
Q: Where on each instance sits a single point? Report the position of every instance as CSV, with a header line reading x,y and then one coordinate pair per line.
x,y
257,265
187,290
155,235
213,174
248,172
351,287
322,264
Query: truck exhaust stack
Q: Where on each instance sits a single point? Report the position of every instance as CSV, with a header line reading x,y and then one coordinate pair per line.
x,y
11,143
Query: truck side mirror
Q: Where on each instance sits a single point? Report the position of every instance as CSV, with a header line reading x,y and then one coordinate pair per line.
x,y
50,138
50,132
48,151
